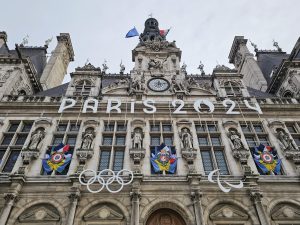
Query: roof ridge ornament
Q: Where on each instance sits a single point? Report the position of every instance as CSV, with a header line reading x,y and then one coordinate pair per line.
x,y
254,46
25,40
275,44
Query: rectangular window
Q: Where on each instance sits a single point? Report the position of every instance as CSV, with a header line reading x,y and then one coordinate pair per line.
x,y
104,160
203,141
13,127
245,128
258,128
291,128
207,161
264,140
57,140
62,127
222,165
251,141
7,139
212,128
21,139
71,140
2,152
168,141
167,128
215,141
107,141
155,141
155,128
200,128
121,127
13,156
297,140
120,140
118,160
109,127
74,127
26,127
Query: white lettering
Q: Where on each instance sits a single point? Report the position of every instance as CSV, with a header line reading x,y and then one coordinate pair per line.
x,y
132,104
181,104
197,105
230,110
109,107
146,103
64,105
256,106
92,107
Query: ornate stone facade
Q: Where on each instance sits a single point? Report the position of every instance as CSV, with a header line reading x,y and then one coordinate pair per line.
x,y
118,121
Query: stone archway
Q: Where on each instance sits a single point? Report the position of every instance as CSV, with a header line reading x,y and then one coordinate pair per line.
x,y
165,217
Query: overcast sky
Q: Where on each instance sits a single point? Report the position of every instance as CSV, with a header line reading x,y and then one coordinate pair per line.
x,y
203,30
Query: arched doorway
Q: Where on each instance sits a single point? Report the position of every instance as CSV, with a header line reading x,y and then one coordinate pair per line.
x,y
165,217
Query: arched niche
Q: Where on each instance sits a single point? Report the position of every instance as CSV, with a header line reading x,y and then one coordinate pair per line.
x,y
165,216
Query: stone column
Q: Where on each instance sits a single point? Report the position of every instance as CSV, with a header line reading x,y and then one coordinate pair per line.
x,y
135,210
256,197
74,198
195,196
10,200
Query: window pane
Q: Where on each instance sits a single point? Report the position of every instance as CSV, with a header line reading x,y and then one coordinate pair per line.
x,y
7,139
258,128
264,140
118,160
203,141
107,140
251,141
155,128
74,126
215,141
13,127
167,128
11,161
104,160
109,127
2,152
200,128
245,128
207,161
71,140
120,140
57,140
62,127
121,127
291,129
168,141
212,128
26,127
21,139
221,162
297,140
155,141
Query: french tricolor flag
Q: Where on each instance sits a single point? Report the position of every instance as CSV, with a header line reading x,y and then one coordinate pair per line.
x,y
164,33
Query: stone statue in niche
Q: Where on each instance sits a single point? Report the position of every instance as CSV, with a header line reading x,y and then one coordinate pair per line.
x,y
138,83
285,140
137,139
186,138
87,138
156,64
36,138
235,139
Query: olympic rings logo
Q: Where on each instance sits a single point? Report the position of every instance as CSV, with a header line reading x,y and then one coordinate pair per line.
x,y
105,180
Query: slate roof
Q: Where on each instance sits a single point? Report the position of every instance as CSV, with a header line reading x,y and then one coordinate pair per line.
x,y
259,94
55,92
269,60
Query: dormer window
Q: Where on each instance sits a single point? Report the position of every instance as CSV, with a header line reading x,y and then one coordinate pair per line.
x,y
83,88
232,89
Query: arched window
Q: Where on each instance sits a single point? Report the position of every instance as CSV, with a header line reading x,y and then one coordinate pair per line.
x,y
232,89
83,87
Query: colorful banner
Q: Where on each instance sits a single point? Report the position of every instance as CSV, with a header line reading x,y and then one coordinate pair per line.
x,y
266,160
58,159
163,159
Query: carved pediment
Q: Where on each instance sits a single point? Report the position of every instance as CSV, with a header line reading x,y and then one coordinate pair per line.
x,y
286,213
42,214
228,213
43,121
103,213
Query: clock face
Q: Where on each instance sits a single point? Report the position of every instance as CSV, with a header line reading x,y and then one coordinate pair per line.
x,y
158,84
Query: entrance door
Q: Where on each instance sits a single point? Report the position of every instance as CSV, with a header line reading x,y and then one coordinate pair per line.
x,y
165,217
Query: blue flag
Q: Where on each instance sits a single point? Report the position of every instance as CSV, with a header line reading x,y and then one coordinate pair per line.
x,y
132,33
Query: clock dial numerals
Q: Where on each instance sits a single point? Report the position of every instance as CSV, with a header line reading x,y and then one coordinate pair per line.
x,y
158,84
